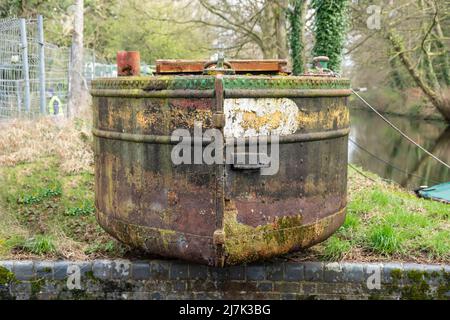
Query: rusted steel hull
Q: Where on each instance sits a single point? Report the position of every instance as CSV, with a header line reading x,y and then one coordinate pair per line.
x,y
217,214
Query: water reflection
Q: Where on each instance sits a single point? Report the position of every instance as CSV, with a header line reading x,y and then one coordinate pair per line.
x,y
378,144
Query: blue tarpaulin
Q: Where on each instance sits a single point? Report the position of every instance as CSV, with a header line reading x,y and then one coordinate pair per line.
x,y
440,192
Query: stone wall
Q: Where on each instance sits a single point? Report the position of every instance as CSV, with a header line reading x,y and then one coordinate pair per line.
x,y
164,279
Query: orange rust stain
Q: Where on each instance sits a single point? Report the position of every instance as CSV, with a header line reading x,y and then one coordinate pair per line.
x,y
145,119
172,198
326,119
181,118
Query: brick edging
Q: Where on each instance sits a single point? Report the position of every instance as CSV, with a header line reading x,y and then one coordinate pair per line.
x,y
167,279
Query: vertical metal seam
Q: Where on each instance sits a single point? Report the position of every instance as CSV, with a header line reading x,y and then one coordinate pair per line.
x,y
220,179
219,100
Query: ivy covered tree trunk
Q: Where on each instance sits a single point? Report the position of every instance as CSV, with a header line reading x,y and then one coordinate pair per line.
x,y
295,15
330,28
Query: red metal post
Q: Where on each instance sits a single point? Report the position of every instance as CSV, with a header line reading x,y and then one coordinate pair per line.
x,y
128,63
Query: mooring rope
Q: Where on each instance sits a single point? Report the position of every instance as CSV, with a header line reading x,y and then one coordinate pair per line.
x,y
360,172
390,164
400,131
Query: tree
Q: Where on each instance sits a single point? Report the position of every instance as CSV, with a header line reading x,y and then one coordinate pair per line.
x,y
423,81
58,21
163,32
78,95
296,16
243,28
411,47
330,26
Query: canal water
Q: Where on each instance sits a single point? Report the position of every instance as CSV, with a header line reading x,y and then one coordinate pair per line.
x,y
375,146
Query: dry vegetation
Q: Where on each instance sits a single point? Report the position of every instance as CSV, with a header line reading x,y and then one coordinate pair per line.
x,y
28,141
46,192
47,206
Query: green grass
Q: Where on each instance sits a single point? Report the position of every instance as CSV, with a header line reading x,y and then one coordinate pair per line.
x,y
48,213
40,245
85,209
384,239
109,247
386,222
336,248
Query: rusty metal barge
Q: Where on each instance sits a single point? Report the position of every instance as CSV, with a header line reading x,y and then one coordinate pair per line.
x,y
220,214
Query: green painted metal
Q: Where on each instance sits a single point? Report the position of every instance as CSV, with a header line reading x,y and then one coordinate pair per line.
x,y
230,82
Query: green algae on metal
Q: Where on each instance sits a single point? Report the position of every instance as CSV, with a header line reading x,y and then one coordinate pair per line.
x,y
244,243
159,83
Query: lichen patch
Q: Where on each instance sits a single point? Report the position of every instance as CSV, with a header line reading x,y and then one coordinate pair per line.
x,y
251,117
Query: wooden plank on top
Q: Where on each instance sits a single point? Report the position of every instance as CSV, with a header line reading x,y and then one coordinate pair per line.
x,y
239,66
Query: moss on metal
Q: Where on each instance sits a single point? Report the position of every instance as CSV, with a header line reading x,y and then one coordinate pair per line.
x,y
284,82
244,243
158,83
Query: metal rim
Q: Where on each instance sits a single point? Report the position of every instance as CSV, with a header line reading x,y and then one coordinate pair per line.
x,y
159,139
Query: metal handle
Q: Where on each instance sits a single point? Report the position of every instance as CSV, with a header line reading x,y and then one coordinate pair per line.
x,y
247,165
216,63
219,66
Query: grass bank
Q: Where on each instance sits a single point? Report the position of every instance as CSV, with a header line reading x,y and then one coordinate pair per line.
x,y
47,208
387,223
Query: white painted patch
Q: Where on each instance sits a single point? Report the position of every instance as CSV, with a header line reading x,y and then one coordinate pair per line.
x,y
250,117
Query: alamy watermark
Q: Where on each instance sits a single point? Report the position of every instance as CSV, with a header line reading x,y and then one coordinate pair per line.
x,y
374,11
373,281
211,147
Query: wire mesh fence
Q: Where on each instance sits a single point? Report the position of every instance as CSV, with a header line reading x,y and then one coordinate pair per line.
x,y
34,75
57,64
33,69
11,74
95,67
